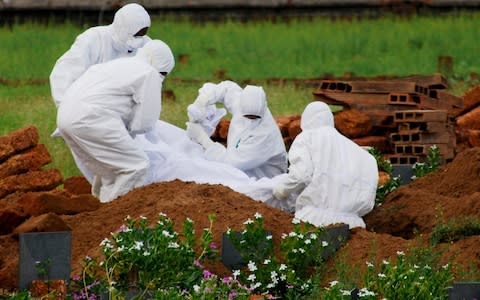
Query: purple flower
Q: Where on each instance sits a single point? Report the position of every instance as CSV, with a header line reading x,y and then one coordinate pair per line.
x,y
197,263
213,245
207,274
232,294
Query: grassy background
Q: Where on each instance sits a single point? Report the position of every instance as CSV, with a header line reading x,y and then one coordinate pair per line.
x,y
252,51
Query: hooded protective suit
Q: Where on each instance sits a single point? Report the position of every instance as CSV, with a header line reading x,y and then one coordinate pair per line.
x,y
100,44
336,178
254,146
105,108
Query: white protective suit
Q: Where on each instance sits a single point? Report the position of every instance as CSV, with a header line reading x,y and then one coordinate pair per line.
x,y
105,108
254,146
336,178
100,44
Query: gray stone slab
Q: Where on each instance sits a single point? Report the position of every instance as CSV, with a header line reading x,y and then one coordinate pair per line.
x,y
39,247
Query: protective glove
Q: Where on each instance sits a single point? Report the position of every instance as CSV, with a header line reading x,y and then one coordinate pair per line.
x,y
195,132
279,193
195,113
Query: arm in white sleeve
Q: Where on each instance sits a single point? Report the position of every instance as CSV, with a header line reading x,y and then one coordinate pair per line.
x,y
72,64
248,153
148,104
300,171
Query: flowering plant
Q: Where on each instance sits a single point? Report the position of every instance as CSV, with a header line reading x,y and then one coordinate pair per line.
x,y
89,285
141,258
406,278
284,275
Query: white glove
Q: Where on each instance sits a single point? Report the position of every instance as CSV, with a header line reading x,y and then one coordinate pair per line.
x,y
195,114
205,97
195,132
279,193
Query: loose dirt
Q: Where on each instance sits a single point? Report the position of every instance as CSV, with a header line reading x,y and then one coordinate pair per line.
x,y
404,220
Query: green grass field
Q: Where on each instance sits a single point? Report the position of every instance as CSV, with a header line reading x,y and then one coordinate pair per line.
x,y
254,51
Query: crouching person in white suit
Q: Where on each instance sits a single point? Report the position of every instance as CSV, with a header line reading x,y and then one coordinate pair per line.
x,y
335,178
254,142
105,108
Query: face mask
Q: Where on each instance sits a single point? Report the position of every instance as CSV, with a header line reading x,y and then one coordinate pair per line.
x,y
251,123
134,43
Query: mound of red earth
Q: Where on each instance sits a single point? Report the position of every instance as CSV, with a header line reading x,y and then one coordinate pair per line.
x,y
31,201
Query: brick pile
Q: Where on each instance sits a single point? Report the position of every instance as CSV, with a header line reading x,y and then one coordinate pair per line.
x,y
30,195
401,117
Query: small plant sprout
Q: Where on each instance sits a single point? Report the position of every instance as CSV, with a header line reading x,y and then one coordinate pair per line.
x,y
43,268
431,163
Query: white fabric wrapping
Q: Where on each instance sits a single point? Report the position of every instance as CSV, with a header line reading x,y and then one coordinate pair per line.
x,y
336,178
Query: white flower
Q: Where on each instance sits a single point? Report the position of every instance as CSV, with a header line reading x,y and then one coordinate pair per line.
x,y
400,253
229,230
273,275
324,243
283,277
162,214
364,292
282,267
313,236
196,288
146,253
189,220
333,283
127,218
369,264
270,286
308,241
138,245
173,245
295,221
381,275
258,215
121,248
105,242
301,250
251,277
248,221
292,234
142,217
300,236
236,273
266,262
269,237
415,266
251,266
385,262
166,233
445,266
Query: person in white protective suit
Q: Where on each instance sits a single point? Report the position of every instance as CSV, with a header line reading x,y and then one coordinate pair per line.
x,y
254,142
100,44
105,108
96,45
335,178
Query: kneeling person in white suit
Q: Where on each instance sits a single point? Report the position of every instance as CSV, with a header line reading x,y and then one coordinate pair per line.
x,y
335,178
254,142
105,108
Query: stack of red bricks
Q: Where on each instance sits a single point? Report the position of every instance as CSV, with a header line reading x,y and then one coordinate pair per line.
x,y
30,199
402,118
